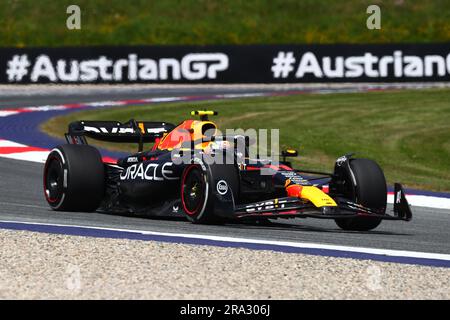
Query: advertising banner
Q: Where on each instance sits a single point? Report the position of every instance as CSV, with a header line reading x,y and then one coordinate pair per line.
x,y
226,64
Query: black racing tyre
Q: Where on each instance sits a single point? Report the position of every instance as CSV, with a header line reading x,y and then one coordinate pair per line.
x,y
370,191
74,178
199,182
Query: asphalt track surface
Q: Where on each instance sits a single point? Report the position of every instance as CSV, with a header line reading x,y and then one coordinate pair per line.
x,y
22,200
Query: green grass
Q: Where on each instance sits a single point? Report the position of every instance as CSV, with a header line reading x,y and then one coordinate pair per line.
x,y
407,132
162,22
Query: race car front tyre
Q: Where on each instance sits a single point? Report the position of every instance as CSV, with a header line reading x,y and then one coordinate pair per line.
x,y
74,178
198,187
368,189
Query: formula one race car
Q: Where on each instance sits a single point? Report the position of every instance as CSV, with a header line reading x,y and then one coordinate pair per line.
x,y
177,178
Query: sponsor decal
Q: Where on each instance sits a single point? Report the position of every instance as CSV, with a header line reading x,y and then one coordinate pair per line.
x,y
222,187
132,160
149,171
368,65
192,66
121,130
228,64
399,197
266,205
294,177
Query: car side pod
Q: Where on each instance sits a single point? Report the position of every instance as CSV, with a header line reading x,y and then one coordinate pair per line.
x,y
402,208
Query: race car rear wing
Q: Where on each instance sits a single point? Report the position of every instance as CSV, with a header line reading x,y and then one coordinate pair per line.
x,y
131,131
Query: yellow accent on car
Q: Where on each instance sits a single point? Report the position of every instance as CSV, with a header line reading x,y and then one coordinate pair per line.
x,y
317,197
141,126
203,113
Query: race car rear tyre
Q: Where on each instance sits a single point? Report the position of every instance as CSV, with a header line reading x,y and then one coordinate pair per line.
x,y
198,185
370,191
74,178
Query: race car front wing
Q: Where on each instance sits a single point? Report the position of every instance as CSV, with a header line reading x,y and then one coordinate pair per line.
x,y
292,207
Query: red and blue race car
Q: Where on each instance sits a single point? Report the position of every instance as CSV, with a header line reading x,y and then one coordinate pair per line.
x,y
177,178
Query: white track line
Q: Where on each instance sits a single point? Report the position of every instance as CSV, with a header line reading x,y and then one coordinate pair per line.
x,y
305,245
425,201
